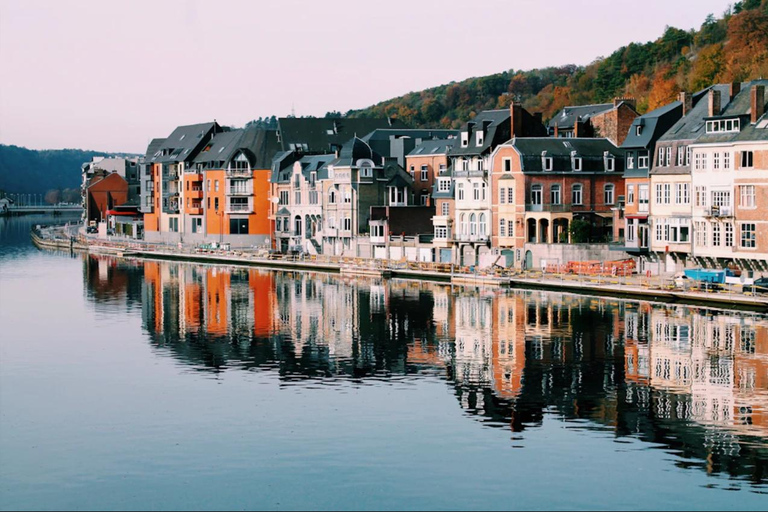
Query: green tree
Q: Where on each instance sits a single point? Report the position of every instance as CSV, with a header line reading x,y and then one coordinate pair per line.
x,y
580,230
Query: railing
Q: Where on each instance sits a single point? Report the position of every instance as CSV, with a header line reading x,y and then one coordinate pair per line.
x,y
470,238
239,191
239,173
550,207
239,208
469,174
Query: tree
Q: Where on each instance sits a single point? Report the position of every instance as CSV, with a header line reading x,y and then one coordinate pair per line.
x,y
707,67
746,52
663,90
53,196
580,230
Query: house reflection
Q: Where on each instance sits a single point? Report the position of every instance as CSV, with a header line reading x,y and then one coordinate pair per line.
x,y
692,380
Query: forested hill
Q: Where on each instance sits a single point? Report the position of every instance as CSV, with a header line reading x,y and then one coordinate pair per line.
x,y
28,171
733,47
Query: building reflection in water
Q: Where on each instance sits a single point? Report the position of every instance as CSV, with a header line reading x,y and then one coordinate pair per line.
x,y
693,380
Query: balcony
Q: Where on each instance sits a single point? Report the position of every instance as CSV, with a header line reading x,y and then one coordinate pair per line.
x,y
469,174
470,238
239,208
718,212
193,175
195,210
552,207
195,193
239,191
239,173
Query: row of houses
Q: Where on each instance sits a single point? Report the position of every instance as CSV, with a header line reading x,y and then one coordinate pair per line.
x,y
683,185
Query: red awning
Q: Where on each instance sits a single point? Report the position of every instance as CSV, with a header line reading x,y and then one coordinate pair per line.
x,y
115,212
641,217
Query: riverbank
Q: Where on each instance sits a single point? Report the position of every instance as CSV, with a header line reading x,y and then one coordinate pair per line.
x,y
629,287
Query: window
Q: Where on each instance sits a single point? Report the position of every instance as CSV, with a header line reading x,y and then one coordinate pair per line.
x,y
484,190
463,223
441,232
502,195
173,224
424,173
479,138
446,209
482,231
507,166
748,236
608,193
473,224
610,164
727,160
682,193
554,194
216,185
746,158
197,225
716,234
680,155
701,197
723,125
577,163
423,197
659,193
638,130
642,159
332,196
297,197
668,160
238,226
721,198
460,192
216,203
464,139
510,195
576,194
444,185
547,163
279,224
701,234
476,191
631,161
208,186
660,162
510,228
331,222
630,194
377,230
688,151
536,194
347,195
728,234
366,171
283,197
502,227
747,196
347,226
667,193
716,161
442,168
643,194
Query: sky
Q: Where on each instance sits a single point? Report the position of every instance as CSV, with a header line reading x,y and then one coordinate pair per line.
x,y
112,75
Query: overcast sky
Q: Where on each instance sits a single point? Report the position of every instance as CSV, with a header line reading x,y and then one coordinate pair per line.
x,y
110,75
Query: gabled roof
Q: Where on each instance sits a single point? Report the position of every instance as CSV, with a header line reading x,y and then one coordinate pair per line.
x,y
740,106
282,165
399,181
591,151
152,148
691,125
323,135
257,144
354,150
566,118
496,126
184,142
653,125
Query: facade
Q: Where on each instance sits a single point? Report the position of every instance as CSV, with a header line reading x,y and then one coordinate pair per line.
x,y
608,120
640,146
729,180
425,163
541,185
104,192
671,195
126,168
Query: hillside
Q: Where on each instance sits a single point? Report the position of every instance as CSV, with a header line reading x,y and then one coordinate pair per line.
x,y
733,47
28,171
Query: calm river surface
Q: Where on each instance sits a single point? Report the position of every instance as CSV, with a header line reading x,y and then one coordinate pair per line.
x,y
130,385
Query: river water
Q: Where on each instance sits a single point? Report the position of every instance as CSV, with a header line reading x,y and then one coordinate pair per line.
x,y
155,385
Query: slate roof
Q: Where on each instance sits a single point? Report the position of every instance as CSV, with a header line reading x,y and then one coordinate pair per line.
x,y
382,140
322,135
591,151
691,126
497,130
741,107
433,147
399,181
153,147
654,124
566,118
282,165
184,142
259,146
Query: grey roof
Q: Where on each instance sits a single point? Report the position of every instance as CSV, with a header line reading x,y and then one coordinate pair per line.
x,y
283,211
153,147
654,124
496,124
591,151
567,117
741,107
399,181
184,142
355,150
323,135
433,147
691,126
282,165
257,144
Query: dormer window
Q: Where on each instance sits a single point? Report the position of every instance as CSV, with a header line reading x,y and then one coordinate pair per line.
x,y
723,125
609,160
479,138
638,130
575,161
464,139
397,196
631,161
366,171
546,161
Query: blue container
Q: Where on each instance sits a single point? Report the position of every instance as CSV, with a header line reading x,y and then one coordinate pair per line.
x,y
705,275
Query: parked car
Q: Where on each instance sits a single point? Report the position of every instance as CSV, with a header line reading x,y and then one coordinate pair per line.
x,y
761,285
91,229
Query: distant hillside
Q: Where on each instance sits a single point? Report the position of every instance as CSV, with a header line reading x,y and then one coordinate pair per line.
x,y
28,171
733,47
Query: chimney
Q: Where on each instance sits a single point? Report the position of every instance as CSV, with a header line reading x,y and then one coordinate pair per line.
x,y
516,119
628,100
733,90
757,102
557,133
687,100
714,103
576,129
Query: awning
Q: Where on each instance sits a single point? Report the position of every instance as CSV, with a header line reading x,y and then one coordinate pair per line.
x,y
641,217
115,212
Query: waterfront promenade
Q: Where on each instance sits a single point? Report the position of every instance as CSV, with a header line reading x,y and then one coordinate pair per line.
x,y
656,288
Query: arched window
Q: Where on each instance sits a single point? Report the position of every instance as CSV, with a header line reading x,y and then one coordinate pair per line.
x,y
473,224
332,196
484,192
482,225
608,193
297,226
463,220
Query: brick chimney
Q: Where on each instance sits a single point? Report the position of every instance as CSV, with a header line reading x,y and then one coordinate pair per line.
x,y
516,119
733,90
687,100
757,102
714,103
576,129
628,100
